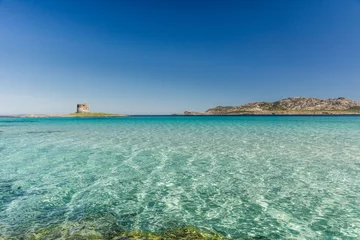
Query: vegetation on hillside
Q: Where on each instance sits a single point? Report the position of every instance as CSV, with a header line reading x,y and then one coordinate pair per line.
x,y
95,114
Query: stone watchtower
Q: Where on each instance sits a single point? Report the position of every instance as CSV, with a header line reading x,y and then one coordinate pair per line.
x,y
83,107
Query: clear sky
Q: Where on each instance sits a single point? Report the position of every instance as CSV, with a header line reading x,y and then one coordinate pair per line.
x,y
159,57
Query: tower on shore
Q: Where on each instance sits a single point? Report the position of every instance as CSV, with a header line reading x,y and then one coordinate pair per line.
x,y
83,108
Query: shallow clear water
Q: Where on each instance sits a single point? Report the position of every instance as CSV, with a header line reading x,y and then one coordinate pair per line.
x,y
277,177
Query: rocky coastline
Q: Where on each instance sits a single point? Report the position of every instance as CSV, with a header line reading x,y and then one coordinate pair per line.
x,y
288,106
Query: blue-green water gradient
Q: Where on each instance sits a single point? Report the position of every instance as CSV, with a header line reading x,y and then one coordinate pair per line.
x,y
281,177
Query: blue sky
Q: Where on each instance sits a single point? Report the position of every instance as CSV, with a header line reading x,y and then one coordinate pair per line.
x,y
159,57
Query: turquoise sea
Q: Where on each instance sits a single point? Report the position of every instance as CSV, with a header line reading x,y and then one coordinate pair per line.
x,y
264,177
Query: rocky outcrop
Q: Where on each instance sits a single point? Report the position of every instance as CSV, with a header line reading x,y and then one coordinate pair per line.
x,y
292,105
195,113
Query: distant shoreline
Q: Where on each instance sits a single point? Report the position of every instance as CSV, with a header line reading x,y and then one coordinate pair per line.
x,y
276,114
204,115
70,115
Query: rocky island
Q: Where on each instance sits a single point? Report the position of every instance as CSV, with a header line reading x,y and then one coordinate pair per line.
x,y
82,110
288,106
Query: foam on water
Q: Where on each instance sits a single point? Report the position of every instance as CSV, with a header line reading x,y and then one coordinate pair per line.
x,y
277,177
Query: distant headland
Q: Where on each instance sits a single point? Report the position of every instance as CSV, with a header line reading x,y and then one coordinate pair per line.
x,y
82,110
288,106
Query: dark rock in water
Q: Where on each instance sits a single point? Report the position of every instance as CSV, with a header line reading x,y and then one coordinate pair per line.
x,y
49,131
9,192
95,229
17,121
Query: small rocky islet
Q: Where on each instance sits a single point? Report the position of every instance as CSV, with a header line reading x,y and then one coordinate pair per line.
x,y
288,106
82,110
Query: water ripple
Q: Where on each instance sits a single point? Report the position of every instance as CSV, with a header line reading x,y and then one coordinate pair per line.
x,y
274,177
